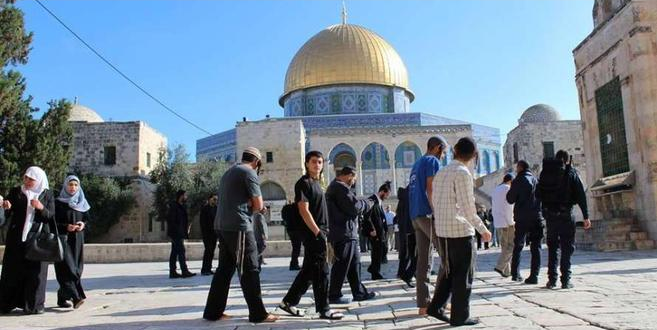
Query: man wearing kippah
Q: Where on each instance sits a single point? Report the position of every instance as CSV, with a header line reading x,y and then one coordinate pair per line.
x,y
239,197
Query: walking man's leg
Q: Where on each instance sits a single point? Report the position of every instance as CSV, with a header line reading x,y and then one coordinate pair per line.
x,y
339,269
461,260
567,240
518,245
218,295
423,235
247,267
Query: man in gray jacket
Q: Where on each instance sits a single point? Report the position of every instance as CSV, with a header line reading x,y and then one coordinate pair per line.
x,y
344,208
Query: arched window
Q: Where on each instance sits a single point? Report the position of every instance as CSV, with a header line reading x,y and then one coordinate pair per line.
x,y
406,155
272,191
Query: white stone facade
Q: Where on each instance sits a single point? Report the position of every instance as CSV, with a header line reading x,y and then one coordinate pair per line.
x,y
622,48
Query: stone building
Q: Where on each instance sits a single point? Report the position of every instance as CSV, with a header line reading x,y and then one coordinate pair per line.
x,y
540,134
616,77
120,149
346,94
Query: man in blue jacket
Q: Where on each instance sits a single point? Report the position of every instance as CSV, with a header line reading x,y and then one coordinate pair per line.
x,y
529,221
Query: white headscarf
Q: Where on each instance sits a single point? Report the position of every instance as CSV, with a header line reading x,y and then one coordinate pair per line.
x,y
75,201
37,174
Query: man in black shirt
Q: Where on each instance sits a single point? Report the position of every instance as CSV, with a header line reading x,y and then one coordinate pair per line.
x,y
559,189
344,209
309,197
376,228
178,230
208,211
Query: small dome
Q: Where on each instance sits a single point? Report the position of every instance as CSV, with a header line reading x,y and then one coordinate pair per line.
x,y
539,113
82,113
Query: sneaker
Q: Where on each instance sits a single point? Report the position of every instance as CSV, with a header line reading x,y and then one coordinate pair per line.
x,y
516,278
567,285
551,284
531,280
331,315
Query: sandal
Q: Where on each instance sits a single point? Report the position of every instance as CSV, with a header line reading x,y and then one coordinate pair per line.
x,y
331,315
225,316
292,310
271,318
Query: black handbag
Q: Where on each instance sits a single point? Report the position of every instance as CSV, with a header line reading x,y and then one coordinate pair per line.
x,y
44,246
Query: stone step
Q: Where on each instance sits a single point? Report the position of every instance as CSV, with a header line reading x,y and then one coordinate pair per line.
x,y
638,236
614,246
645,244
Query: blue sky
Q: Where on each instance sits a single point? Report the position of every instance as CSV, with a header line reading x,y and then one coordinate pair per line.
x,y
217,61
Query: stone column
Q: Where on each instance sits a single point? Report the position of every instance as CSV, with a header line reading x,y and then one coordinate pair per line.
x,y
360,173
394,179
329,169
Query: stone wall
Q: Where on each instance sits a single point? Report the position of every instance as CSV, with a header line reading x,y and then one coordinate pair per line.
x,y
624,47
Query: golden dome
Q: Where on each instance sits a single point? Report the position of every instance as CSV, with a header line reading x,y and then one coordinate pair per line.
x,y
345,54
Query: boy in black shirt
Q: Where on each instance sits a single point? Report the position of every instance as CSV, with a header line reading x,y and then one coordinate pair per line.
x,y
309,197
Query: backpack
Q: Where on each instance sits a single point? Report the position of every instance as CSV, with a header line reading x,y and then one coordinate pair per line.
x,y
291,218
554,183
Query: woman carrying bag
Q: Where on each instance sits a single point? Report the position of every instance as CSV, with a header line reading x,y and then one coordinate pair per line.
x,y
23,281
71,209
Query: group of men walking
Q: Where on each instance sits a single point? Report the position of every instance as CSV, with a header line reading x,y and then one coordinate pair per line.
x,y
435,211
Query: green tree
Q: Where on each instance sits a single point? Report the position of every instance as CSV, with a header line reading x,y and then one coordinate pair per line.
x,y
206,177
110,199
172,172
26,141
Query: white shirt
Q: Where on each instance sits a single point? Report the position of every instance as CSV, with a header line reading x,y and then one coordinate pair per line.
x,y
502,210
454,203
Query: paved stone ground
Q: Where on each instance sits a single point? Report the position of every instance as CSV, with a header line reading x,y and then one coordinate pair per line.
x,y
612,291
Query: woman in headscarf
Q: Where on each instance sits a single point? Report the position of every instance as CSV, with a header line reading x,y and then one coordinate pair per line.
x,y
71,213
23,281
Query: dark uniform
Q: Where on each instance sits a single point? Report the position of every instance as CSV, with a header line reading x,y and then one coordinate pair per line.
x,y
529,222
375,220
344,209
561,224
208,213
407,256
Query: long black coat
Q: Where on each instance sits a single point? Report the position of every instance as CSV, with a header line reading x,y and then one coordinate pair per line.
x,y
69,270
402,218
23,282
344,208
177,221
206,219
375,219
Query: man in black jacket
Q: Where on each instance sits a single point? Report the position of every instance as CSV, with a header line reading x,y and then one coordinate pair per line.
x,y
407,256
377,230
178,230
344,208
559,189
208,211
529,222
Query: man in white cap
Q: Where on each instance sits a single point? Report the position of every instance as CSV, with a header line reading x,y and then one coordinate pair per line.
x,y
239,197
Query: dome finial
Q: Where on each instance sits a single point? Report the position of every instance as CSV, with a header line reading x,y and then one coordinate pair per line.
x,y
344,13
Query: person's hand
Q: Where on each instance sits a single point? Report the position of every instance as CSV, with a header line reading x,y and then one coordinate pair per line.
x,y
587,224
80,226
486,237
36,204
373,233
71,228
6,205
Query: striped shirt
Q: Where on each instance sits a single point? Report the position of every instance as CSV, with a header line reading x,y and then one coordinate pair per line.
x,y
454,203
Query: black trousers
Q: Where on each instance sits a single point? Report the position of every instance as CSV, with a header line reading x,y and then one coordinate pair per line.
x,y
315,271
177,252
455,277
364,243
479,242
378,246
385,247
523,233
295,239
407,256
237,251
560,235
209,244
346,266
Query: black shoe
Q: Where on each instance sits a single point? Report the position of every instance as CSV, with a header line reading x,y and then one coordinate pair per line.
x,y
469,321
188,274
206,273
77,303
409,283
377,277
551,284
295,267
567,285
531,280
439,314
339,301
516,278
368,296
36,311
501,273
174,274
63,304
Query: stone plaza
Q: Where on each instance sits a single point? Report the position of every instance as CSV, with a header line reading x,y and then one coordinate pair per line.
x,y
612,291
